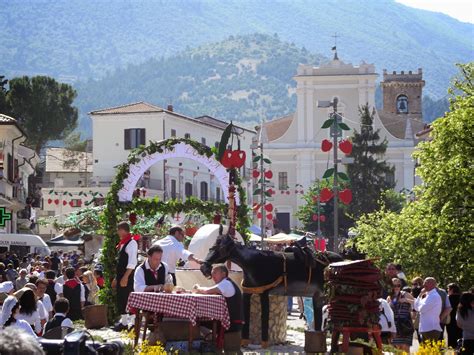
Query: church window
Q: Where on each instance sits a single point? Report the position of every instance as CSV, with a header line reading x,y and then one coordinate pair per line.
x,y
402,104
204,191
173,188
188,189
282,180
390,178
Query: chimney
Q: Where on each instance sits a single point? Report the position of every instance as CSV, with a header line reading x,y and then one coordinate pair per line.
x,y
170,108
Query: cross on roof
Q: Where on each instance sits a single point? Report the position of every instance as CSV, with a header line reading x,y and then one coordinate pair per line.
x,y
335,36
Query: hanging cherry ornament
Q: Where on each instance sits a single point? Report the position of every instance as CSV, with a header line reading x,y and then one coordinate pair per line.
x,y
326,145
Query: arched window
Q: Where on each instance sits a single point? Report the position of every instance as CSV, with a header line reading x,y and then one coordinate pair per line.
x,y
188,189
204,195
402,104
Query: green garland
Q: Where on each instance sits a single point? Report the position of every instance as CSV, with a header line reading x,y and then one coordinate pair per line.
x,y
115,209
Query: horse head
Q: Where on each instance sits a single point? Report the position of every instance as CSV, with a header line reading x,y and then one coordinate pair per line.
x,y
218,253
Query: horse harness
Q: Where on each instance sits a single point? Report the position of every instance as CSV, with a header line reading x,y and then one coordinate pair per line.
x,y
321,258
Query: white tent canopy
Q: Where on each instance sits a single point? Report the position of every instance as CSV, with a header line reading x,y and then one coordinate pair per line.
x,y
281,238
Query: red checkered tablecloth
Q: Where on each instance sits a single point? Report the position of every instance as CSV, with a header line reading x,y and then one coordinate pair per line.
x,y
184,305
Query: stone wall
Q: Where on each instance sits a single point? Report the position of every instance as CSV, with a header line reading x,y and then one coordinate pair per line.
x,y
277,321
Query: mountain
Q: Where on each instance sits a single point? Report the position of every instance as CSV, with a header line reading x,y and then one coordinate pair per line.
x,y
74,40
243,78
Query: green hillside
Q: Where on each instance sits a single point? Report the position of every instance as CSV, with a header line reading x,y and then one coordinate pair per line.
x,y
244,78
73,40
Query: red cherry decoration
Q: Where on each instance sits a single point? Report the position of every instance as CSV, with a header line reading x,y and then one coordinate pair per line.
x,y
256,206
269,207
325,195
50,201
326,145
270,191
315,217
64,203
345,196
269,216
71,203
268,174
255,174
259,215
56,201
288,192
79,203
238,158
322,218
226,159
345,146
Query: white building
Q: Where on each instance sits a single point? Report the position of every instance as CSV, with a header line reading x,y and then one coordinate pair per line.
x,y
66,185
17,163
294,141
118,130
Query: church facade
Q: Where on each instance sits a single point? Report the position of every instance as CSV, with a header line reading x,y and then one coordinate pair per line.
x,y
293,142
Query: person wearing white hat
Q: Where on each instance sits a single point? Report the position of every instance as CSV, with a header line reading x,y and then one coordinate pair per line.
x,y
6,289
10,311
173,250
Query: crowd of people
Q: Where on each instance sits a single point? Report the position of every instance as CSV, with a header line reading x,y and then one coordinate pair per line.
x,y
38,293
423,308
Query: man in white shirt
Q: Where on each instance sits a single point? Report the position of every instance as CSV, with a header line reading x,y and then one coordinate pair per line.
x,y
173,250
429,305
73,290
41,286
61,307
151,275
386,321
226,287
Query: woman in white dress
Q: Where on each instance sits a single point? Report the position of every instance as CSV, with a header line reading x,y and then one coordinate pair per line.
x,y
29,309
9,316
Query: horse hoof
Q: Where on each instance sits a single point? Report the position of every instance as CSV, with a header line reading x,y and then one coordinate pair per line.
x,y
244,342
264,344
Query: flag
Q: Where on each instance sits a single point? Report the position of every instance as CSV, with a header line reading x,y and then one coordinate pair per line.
x,y
333,48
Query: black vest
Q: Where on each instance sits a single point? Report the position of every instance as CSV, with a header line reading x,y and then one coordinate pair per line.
x,y
150,279
50,291
54,322
122,262
73,295
234,304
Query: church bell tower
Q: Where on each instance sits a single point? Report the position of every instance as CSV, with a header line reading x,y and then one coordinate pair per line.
x,y
403,93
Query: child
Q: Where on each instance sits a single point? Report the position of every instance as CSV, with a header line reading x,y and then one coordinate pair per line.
x,y
61,307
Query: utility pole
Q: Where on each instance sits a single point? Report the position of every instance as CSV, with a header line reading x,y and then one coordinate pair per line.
x,y
262,195
335,134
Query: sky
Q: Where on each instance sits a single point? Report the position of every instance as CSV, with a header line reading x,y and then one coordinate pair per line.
x,y
462,10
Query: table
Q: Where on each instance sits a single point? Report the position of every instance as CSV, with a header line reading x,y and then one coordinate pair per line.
x,y
194,307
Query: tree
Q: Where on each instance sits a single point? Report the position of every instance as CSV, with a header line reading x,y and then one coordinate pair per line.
x,y
368,172
432,235
43,108
75,153
4,108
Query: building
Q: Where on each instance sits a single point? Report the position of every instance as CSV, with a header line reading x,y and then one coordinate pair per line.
x,y
294,142
118,130
66,185
17,163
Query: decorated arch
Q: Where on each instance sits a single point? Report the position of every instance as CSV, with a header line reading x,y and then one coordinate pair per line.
x,y
121,203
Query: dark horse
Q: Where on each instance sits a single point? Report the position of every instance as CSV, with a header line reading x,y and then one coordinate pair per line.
x,y
263,269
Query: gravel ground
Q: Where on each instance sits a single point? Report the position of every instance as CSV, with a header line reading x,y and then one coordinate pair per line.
x,y
294,345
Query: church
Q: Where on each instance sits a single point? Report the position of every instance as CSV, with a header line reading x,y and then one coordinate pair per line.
x,y
293,142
